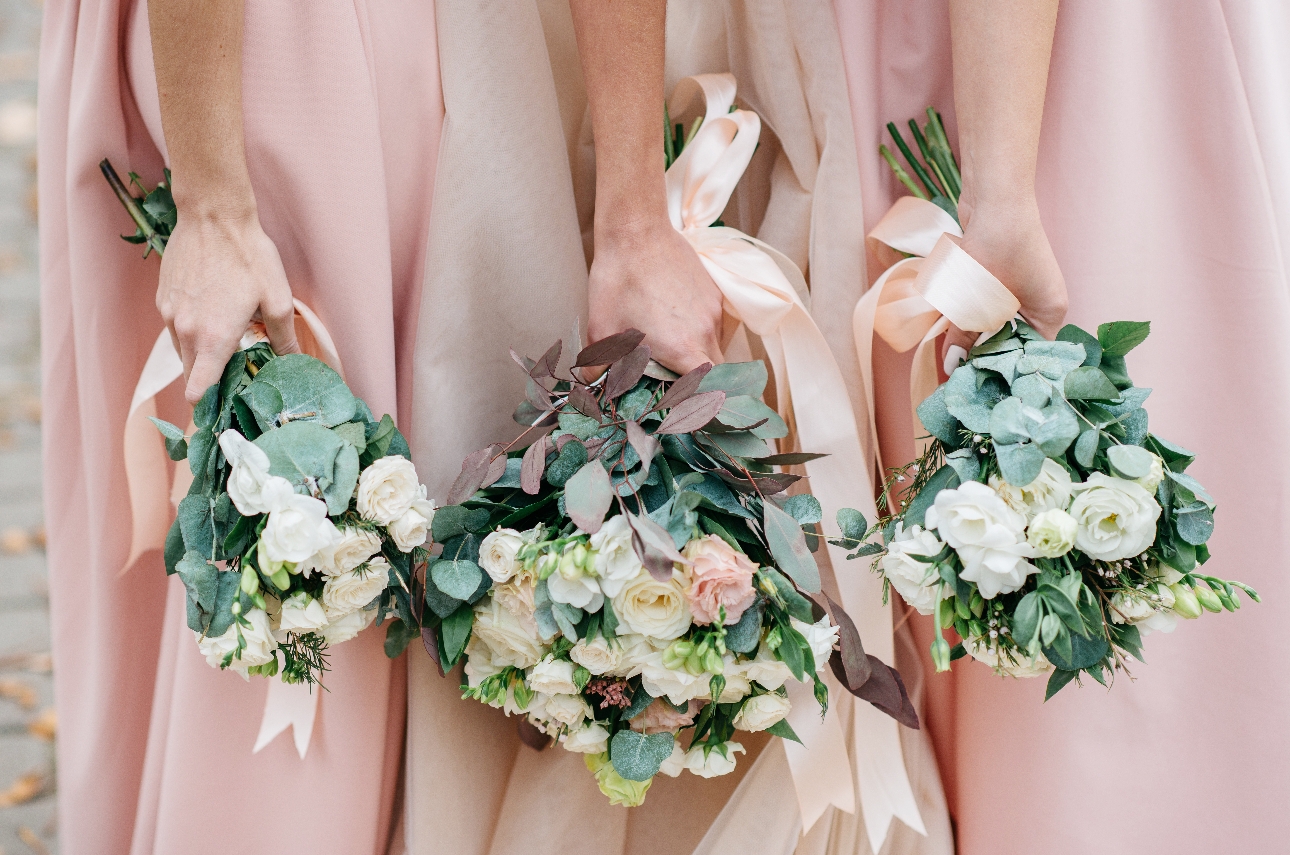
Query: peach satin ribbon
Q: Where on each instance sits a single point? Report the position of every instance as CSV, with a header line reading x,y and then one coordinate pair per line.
x,y
764,290
153,495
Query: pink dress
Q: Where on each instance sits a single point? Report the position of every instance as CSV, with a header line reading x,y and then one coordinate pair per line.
x,y
1164,183
342,116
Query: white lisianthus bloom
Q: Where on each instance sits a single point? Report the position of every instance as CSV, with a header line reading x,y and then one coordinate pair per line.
x,y
297,529
507,639
518,598
675,763
1117,518
497,554
570,585
988,536
598,656
347,626
250,486
352,547
569,710
1018,666
821,635
1050,489
652,608
387,489
762,712
616,561
590,739
352,591
712,764
300,614
678,686
636,651
765,670
1152,479
260,644
916,581
479,663
412,529
552,676
1052,533
738,686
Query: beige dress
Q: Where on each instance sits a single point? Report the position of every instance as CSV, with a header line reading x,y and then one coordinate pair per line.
x,y
507,266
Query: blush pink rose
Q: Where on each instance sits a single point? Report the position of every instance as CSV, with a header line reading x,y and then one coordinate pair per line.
x,y
661,717
720,576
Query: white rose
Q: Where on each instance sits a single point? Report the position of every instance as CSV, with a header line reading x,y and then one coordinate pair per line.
x,y
765,670
987,534
352,591
412,529
1012,664
344,628
250,486
636,651
677,686
1152,479
598,656
497,554
260,645
591,739
1117,518
353,547
821,635
571,586
569,710
386,489
552,676
1051,489
652,608
518,599
479,663
300,614
297,529
762,712
675,763
616,561
508,640
714,763
917,582
1052,533
737,685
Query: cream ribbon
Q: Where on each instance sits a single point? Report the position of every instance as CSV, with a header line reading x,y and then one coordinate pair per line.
x,y
764,290
917,298
153,495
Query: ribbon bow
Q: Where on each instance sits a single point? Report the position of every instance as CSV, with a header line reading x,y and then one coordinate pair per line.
x,y
153,495
764,290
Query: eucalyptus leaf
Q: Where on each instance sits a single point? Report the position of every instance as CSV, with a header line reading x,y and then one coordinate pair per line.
x,y
965,465
1130,461
344,480
1086,447
1195,523
1019,463
588,495
1025,619
638,756
304,453
307,389
197,525
1188,489
744,635
1090,384
201,584
788,546
852,524
571,458
353,433
1059,429
1004,364
1033,390
1011,421
937,419
736,378
804,508
965,400
176,444
744,411
456,578
1092,347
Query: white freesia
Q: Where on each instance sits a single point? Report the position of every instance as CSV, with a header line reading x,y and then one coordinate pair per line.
x,y
1154,476
387,489
1050,489
652,608
297,529
821,636
765,670
1150,609
347,626
352,548
300,614
349,592
589,739
598,656
675,763
553,676
678,686
412,529
497,554
712,764
988,536
616,561
1130,607
250,486
1052,533
570,585
916,581
503,637
762,712
1011,664
260,644
570,710
1117,518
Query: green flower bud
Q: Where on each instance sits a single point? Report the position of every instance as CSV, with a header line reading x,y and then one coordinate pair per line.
x,y
1186,603
570,567
281,579
674,655
250,580
694,663
941,654
712,662
582,556
619,790
1208,598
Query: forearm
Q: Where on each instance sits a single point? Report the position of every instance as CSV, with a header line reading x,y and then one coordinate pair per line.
x,y
621,45
1001,50
197,54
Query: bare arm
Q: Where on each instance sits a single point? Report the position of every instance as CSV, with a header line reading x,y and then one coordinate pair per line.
x,y
220,270
644,274
1001,53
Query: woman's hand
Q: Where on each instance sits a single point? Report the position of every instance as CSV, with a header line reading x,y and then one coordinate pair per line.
x,y
219,273
653,280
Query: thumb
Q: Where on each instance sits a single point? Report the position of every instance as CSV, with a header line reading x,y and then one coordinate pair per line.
x,y
281,327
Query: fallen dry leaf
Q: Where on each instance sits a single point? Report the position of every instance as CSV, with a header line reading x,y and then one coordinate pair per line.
x,y
14,540
45,725
34,843
19,692
23,790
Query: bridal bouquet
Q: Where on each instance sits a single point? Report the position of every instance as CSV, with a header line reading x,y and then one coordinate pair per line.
x,y
631,582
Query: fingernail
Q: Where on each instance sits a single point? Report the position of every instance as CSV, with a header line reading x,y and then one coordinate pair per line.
x,y
953,355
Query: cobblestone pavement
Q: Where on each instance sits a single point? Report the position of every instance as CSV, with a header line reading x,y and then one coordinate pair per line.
x,y
27,721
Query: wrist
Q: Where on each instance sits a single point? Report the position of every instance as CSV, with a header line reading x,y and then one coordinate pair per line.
x,y
227,199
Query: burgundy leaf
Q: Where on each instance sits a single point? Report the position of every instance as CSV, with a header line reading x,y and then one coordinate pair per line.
x,y
594,445
533,465
658,564
646,446
584,402
562,440
430,639
660,372
496,469
610,349
588,496
791,458
546,366
530,735
624,373
850,663
683,388
473,470
522,361
693,413
886,690
537,396
655,537
767,484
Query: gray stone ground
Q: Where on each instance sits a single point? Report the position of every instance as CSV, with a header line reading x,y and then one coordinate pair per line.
x,y
27,722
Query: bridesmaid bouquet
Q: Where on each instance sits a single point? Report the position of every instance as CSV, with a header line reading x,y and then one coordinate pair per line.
x,y
632,582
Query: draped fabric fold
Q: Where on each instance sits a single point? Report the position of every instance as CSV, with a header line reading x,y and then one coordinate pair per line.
x,y
764,290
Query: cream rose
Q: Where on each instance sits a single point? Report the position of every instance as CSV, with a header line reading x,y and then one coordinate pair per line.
x,y
987,534
678,686
553,676
412,529
719,577
765,670
1117,518
652,608
347,626
570,710
1050,489
821,635
571,585
592,738
712,764
505,637
479,663
1016,666
1052,533
260,644
518,599
737,685
352,548
636,651
297,529
352,591
497,554
661,717
762,712
675,763
615,562
387,489
250,486
916,581
598,656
